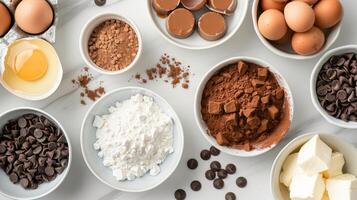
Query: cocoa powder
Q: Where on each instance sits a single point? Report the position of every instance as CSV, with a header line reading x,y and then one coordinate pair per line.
x,y
243,104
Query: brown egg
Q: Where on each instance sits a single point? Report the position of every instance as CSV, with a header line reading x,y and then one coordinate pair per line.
x,y
310,2
328,13
299,16
34,16
5,20
272,4
308,43
271,24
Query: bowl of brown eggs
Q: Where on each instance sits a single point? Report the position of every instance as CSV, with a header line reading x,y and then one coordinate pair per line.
x,y
297,29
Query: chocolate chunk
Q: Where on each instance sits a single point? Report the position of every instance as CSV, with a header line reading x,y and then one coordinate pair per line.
x,y
231,119
242,67
254,103
253,122
99,2
221,139
231,169
210,175
214,151
205,154
212,26
230,107
265,99
215,166
180,23
263,73
222,174
192,163
263,126
196,185
248,112
257,83
218,183
230,196
273,112
180,194
241,182
214,107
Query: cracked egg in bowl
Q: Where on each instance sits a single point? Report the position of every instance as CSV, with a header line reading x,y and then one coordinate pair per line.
x,y
31,69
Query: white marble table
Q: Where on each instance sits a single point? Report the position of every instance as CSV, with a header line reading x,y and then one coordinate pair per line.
x,y
65,106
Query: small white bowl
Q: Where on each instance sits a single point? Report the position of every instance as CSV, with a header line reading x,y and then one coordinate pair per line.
x,y
198,96
349,152
285,50
195,41
95,163
15,191
88,30
313,80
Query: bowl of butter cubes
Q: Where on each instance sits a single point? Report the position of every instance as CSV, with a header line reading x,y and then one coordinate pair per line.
x,y
315,166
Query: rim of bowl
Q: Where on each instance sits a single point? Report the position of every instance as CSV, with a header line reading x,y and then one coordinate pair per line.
x,y
97,20
198,96
64,173
177,123
37,97
313,79
286,147
216,44
284,54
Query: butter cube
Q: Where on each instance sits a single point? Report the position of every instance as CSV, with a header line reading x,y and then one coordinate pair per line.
x,y
314,156
290,168
307,187
336,165
342,187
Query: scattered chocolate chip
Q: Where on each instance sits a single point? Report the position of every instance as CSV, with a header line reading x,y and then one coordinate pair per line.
x,y
196,185
192,164
241,182
214,151
230,196
222,174
180,194
210,175
218,183
215,166
99,2
231,169
205,154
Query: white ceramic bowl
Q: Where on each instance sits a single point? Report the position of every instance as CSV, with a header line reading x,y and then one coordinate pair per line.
x,y
313,80
198,96
15,191
279,191
87,31
195,42
95,163
285,50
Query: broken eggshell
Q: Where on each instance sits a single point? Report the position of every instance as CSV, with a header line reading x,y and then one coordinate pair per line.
x,y
226,7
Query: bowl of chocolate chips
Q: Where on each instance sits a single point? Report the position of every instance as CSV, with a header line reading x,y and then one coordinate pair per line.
x,y
333,86
243,106
35,153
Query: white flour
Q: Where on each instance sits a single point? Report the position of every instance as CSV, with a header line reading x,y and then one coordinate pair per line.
x,y
135,138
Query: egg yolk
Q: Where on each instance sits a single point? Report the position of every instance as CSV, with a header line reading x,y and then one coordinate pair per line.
x,y
30,65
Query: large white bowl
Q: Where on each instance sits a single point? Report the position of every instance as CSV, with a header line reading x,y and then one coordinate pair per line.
x,y
313,80
95,163
88,30
279,191
195,41
15,191
286,51
198,96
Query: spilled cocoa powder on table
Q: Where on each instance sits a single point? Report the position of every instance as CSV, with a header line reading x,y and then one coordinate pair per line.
x,y
170,70
83,81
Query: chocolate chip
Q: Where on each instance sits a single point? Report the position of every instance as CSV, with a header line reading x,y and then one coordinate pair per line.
x,y
214,151
210,175
99,2
222,174
218,183
180,194
341,94
215,166
22,122
24,182
231,169
230,196
49,171
38,133
14,178
2,148
205,154
196,185
241,182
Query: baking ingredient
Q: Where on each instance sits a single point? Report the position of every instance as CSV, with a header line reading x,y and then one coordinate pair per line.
x,y
343,187
180,23
192,163
241,182
32,67
244,107
218,183
299,16
335,86
214,151
290,168
100,2
231,169
164,7
5,20
336,165
34,16
196,185
307,187
310,2
328,13
33,150
272,25
230,196
212,26
272,4
180,194
205,154
215,166
194,5
113,45
226,7
134,138
309,42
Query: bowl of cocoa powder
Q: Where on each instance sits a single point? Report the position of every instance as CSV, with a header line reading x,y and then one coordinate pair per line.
x,y
110,44
243,106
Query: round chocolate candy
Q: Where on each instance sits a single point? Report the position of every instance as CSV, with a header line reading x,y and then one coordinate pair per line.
x,y
194,5
164,7
180,23
212,26
226,7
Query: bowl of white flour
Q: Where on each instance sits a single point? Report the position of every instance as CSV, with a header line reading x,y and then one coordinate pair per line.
x,y
132,139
